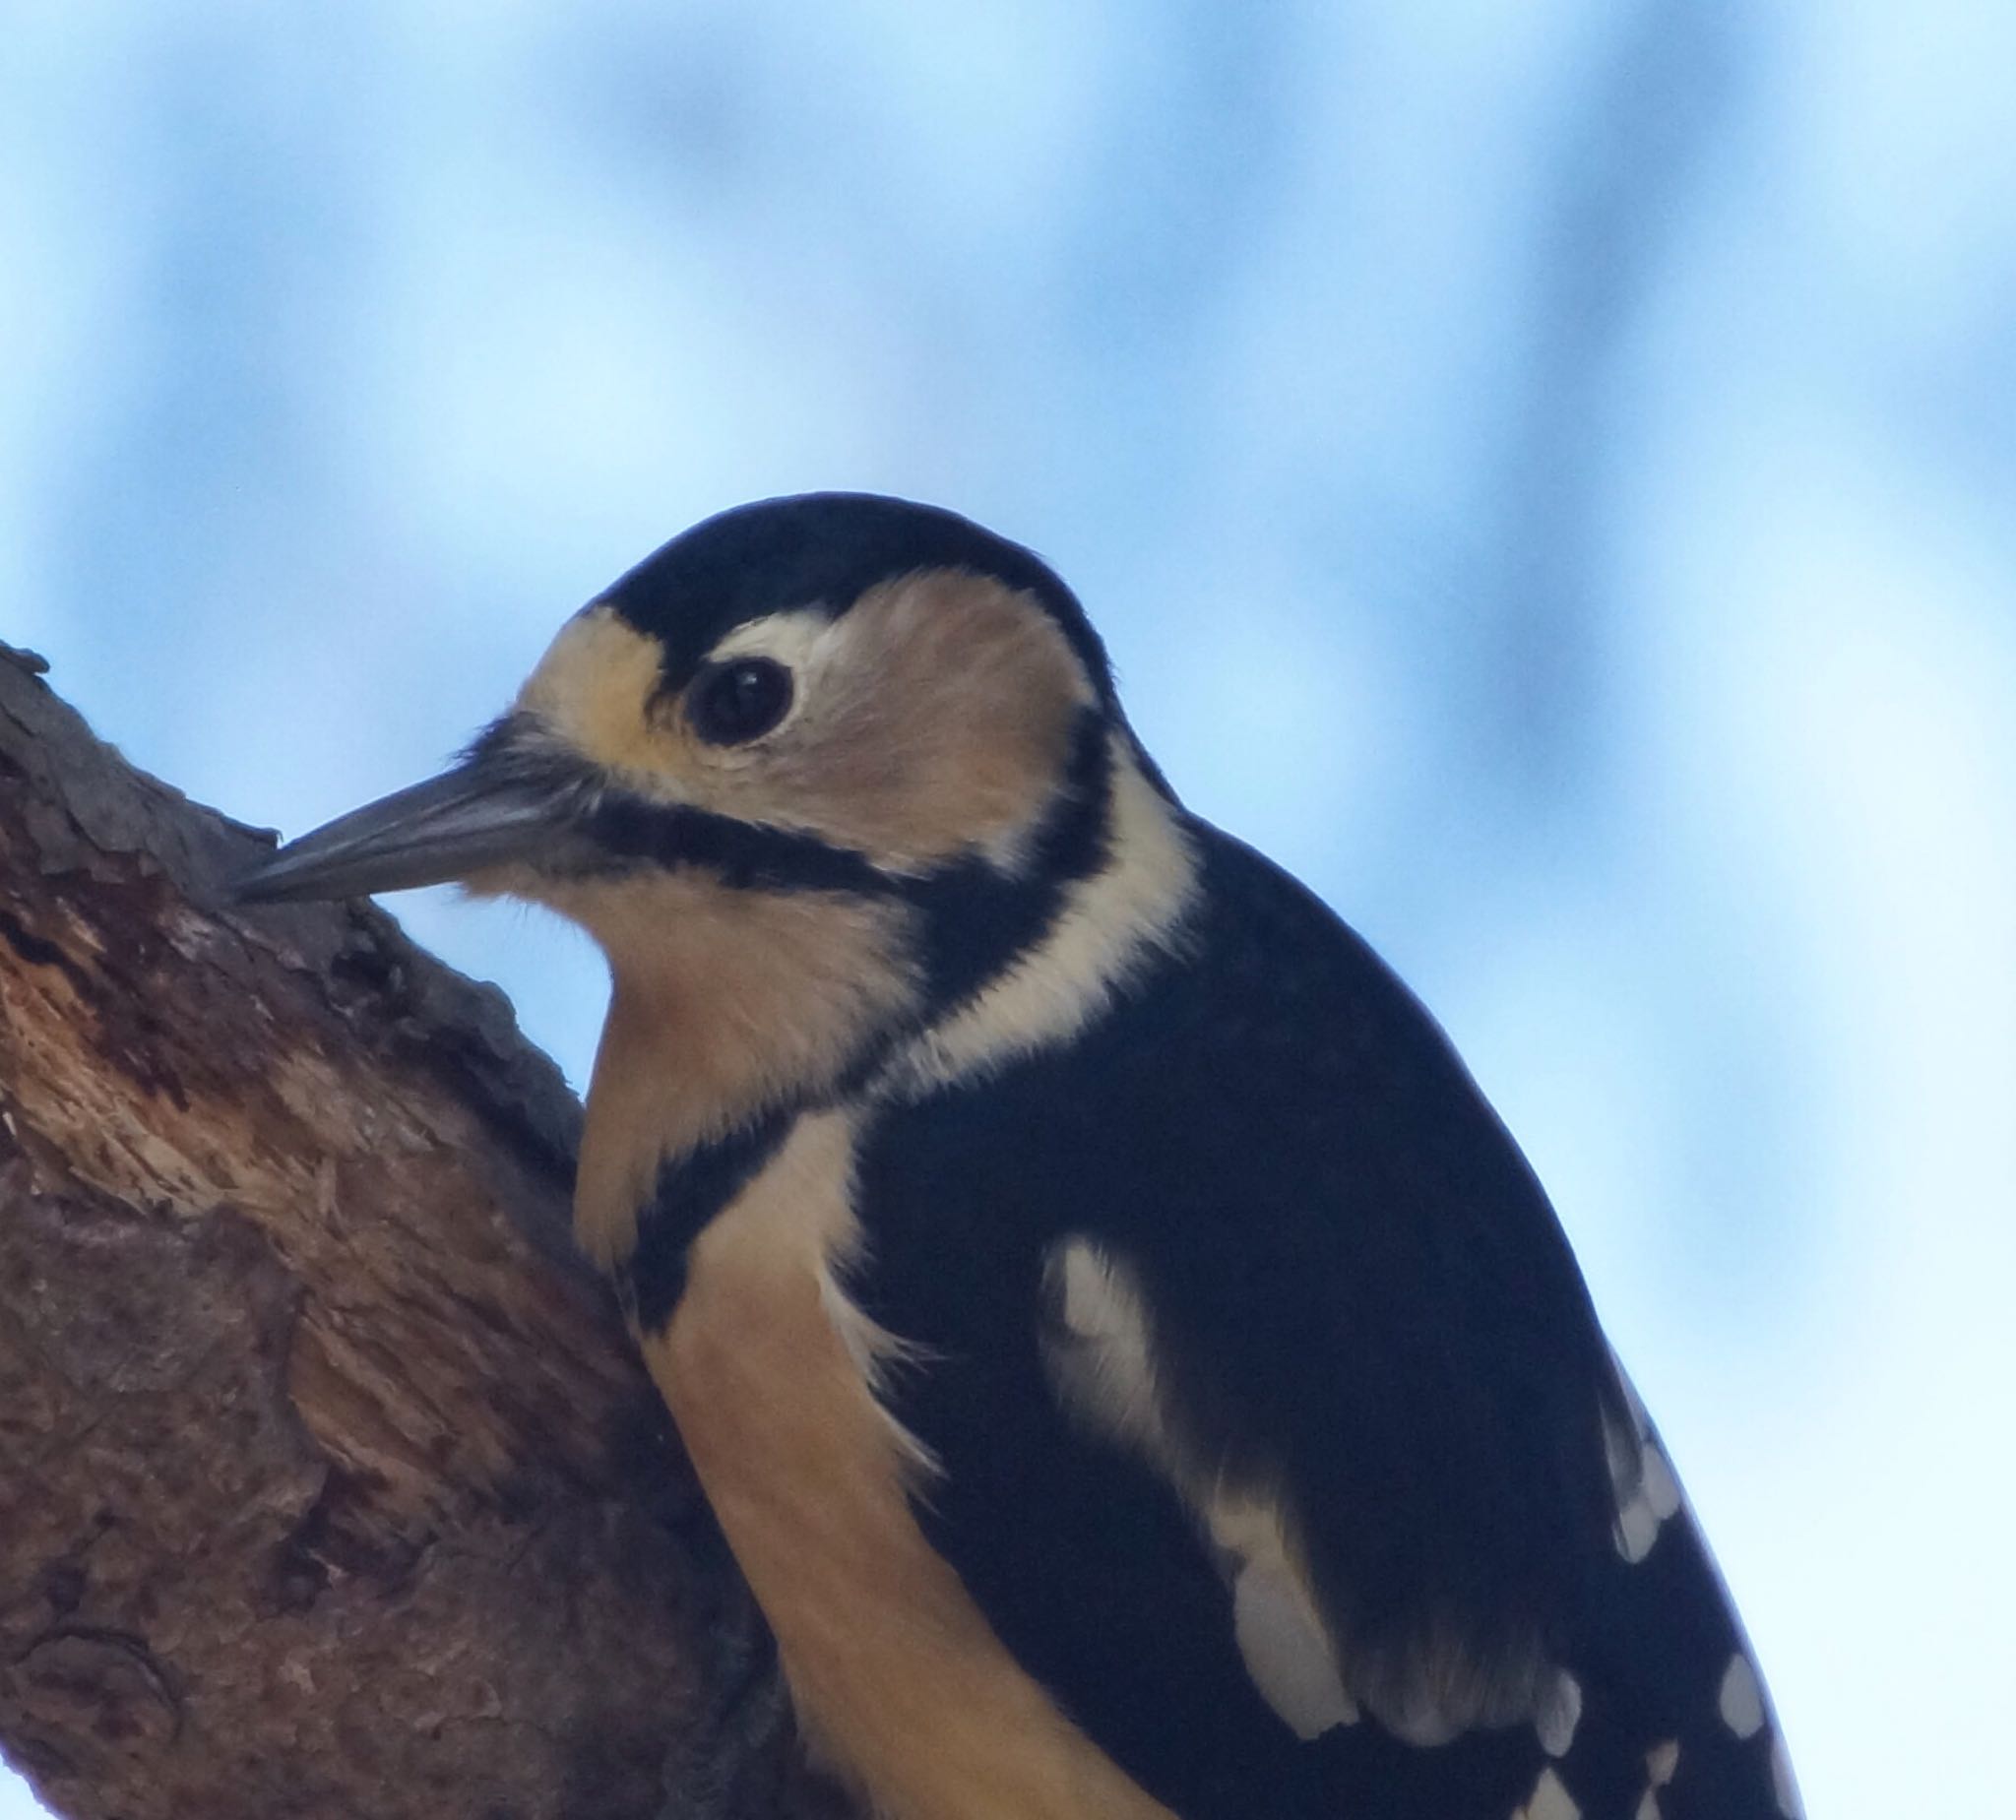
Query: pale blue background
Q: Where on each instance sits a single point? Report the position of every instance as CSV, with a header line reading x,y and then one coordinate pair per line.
x,y
1544,470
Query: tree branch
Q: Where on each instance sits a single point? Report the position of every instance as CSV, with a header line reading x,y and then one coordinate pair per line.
x,y
329,1483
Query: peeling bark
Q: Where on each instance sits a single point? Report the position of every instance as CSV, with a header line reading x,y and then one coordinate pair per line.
x,y
329,1483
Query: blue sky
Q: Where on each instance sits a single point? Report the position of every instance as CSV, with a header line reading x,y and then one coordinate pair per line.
x,y
1543,470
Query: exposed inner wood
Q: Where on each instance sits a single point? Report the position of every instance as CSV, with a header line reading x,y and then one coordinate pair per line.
x,y
329,1483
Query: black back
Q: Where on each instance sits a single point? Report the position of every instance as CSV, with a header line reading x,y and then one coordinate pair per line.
x,y
1370,1300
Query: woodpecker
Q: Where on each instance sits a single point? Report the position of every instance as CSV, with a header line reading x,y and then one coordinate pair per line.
x,y
1136,1371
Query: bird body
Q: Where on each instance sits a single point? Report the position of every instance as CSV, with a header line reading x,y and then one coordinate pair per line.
x,y
1135,1369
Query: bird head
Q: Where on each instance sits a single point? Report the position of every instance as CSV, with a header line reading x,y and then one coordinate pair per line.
x,y
814,774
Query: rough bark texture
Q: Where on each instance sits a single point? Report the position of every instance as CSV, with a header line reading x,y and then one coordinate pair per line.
x,y
329,1484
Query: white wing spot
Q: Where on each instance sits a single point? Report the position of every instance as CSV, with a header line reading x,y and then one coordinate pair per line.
x,y
1641,1478
1637,1531
1559,1717
1648,1494
1742,1702
1549,1800
1782,1783
1661,1761
1660,1489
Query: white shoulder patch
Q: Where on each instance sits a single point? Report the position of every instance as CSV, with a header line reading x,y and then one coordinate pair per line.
x,y
1099,1351
1099,1347
1286,1651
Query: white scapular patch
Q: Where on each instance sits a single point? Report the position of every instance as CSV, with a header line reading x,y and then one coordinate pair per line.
x,y
1641,1478
1099,1347
1549,1800
1101,1359
1287,1654
1111,925
1741,1700
1558,1719
1782,1783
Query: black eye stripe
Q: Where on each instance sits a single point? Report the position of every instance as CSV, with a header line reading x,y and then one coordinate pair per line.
x,y
738,698
743,855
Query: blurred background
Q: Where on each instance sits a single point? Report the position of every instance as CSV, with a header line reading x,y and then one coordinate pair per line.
x,y
1545,473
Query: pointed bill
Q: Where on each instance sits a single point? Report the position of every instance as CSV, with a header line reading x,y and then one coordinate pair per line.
x,y
485,812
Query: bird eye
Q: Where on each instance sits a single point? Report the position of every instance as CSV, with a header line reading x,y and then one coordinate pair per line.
x,y
742,699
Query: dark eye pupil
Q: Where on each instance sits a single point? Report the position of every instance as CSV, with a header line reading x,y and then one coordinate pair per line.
x,y
739,700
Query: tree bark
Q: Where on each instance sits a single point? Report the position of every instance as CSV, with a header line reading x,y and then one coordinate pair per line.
x,y
328,1481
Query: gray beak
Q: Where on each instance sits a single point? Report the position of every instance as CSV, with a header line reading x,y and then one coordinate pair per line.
x,y
487,811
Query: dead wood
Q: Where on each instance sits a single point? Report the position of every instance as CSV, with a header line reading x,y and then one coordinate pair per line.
x,y
329,1485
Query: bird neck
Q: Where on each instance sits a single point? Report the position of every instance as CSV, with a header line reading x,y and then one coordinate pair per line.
x,y
721,1003
727,1005
1109,927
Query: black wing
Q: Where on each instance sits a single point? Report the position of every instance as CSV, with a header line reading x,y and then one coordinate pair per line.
x,y
1359,1333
